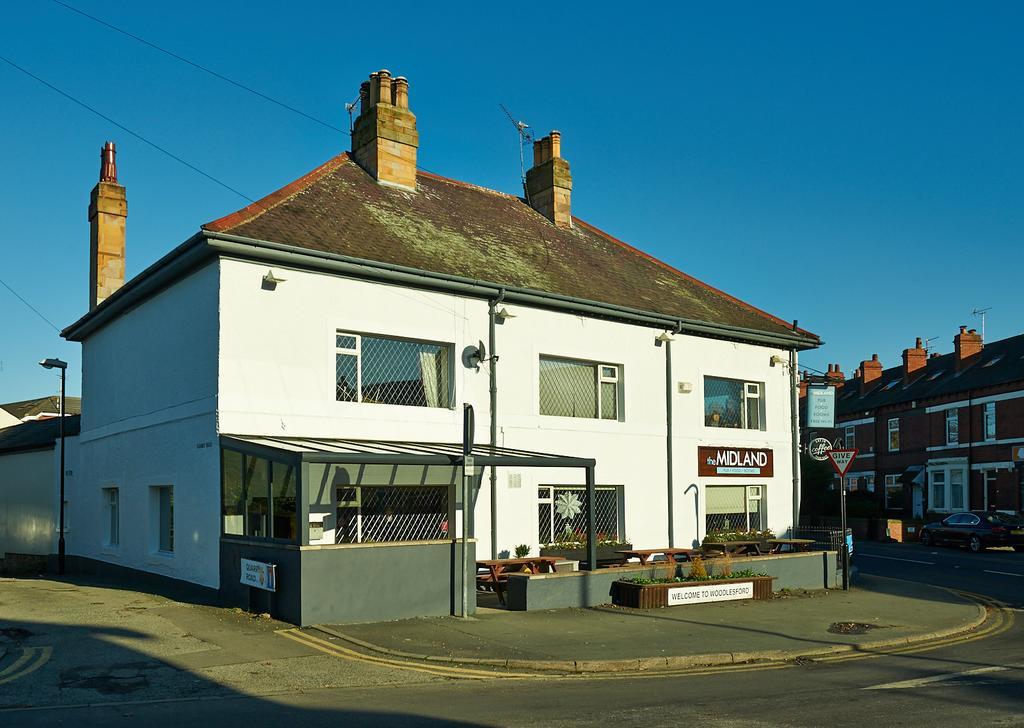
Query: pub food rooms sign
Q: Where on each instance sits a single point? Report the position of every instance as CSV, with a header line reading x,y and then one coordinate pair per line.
x,y
742,461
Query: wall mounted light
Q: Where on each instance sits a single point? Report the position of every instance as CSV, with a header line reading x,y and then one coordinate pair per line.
x,y
270,281
504,313
776,359
662,338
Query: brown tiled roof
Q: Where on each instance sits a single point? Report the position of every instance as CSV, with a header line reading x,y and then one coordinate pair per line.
x,y
459,229
33,407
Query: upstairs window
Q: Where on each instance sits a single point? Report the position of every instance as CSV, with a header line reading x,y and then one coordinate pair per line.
x,y
849,437
952,427
894,434
990,421
734,403
385,370
571,388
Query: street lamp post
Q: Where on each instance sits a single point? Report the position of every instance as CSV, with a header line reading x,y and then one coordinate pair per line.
x,y
63,366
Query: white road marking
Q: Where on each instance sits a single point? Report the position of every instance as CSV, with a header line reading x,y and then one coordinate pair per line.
x,y
918,682
1004,573
896,558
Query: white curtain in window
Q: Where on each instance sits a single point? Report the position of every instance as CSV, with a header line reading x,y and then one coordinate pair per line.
x,y
725,499
434,375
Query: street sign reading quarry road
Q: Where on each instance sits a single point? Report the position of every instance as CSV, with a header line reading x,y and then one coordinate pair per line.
x,y
842,460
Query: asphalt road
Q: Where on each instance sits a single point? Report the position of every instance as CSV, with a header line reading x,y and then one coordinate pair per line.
x,y
971,683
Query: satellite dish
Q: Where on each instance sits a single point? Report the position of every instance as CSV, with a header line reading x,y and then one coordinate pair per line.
x,y
472,356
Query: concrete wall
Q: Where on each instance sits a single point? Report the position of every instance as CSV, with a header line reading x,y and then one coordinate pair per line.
x,y
815,570
351,583
28,518
285,385
149,385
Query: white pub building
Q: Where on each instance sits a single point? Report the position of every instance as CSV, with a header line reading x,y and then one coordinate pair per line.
x,y
287,387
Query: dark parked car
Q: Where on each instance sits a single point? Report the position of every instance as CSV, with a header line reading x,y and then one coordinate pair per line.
x,y
976,530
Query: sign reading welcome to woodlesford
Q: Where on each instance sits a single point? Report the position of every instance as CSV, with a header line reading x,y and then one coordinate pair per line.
x,y
741,461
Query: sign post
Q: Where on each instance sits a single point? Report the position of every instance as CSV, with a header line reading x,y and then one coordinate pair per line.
x,y
841,461
468,429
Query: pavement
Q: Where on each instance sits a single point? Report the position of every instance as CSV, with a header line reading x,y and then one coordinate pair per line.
x,y
82,642
876,613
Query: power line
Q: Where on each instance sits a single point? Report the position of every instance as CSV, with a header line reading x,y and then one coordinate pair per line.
x,y
125,129
34,309
225,79
199,66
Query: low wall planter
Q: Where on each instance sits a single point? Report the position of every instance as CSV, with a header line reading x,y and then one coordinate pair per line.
x,y
676,593
605,554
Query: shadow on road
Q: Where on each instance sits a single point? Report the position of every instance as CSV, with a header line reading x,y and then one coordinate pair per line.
x,y
70,673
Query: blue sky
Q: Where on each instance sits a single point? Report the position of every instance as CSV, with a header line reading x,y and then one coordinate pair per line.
x,y
856,167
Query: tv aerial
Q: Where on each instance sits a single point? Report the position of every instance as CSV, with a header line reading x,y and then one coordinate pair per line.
x,y
525,139
981,312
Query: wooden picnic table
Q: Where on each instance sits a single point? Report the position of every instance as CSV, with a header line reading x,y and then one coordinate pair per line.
x,y
645,554
732,548
781,545
498,571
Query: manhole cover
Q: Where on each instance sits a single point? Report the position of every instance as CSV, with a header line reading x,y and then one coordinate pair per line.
x,y
850,628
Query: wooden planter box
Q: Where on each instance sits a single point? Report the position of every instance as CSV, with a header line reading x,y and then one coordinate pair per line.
x,y
605,554
651,596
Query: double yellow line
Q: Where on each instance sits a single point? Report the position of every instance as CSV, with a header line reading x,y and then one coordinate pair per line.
x,y
32,658
999,620
451,671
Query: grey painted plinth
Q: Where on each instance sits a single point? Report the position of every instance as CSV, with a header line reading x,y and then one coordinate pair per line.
x,y
815,570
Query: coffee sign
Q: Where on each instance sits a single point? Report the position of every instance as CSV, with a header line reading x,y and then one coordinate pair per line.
x,y
742,461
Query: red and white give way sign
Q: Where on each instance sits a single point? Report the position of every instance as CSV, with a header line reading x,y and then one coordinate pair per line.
x,y
842,460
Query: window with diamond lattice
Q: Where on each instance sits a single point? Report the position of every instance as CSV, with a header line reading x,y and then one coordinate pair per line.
x,y
378,514
385,370
570,388
734,508
562,513
734,403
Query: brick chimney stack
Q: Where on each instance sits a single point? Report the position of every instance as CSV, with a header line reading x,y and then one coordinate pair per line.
x,y
549,183
914,359
869,371
835,375
108,210
384,136
966,346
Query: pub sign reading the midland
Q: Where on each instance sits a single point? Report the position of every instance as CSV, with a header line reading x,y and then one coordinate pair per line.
x,y
736,461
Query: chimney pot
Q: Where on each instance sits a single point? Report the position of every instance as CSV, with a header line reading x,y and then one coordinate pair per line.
x,y
384,79
364,97
918,344
108,163
556,144
400,91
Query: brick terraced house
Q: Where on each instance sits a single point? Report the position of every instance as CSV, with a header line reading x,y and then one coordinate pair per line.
x,y
939,433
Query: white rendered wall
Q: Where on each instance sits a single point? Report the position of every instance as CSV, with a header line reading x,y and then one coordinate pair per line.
x,y
276,377
149,384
